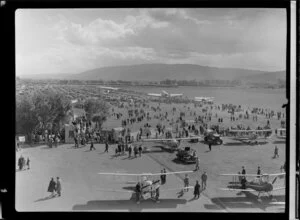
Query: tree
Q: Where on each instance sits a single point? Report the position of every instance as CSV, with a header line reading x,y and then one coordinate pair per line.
x,y
51,108
26,119
96,111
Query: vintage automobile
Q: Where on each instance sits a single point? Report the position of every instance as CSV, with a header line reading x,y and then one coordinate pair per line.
x,y
213,138
186,155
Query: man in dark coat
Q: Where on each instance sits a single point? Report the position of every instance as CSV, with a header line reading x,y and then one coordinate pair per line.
x,y
92,146
138,192
140,151
106,147
58,186
258,172
52,187
20,164
197,190
28,163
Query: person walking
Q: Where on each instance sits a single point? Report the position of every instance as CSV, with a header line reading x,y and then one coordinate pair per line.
x,y
52,187
92,146
209,146
186,183
203,180
197,190
58,186
28,163
106,147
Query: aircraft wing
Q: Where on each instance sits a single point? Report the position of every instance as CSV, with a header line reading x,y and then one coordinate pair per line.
x,y
233,130
174,95
190,187
115,190
109,88
162,139
155,94
252,175
144,174
245,190
279,188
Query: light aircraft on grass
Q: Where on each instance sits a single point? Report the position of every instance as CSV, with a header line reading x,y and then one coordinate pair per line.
x,y
173,143
260,183
150,186
108,89
280,133
165,94
249,136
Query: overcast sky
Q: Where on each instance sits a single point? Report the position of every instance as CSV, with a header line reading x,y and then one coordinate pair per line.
x,y
75,40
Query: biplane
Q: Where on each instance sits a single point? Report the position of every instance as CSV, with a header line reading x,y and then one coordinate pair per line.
x,y
165,94
150,186
260,183
108,89
249,136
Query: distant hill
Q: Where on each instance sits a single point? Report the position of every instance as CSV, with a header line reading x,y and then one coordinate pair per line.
x,y
270,77
159,72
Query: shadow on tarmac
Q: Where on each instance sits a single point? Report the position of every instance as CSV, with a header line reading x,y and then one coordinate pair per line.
x,y
243,144
129,205
249,201
45,198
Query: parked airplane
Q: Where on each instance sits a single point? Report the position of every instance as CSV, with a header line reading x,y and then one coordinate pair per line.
x,y
165,94
172,143
204,99
249,136
280,133
108,89
149,185
259,184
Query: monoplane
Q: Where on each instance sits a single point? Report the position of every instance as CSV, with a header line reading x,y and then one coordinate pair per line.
x,y
165,94
260,183
150,185
172,143
108,89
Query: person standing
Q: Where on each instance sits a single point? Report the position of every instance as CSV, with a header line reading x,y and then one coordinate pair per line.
x,y
243,173
186,183
129,150
140,151
209,146
197,190
258,172
52,187
276,152
162,177
58,186
28,163
135,151
138,192
197,163
20,163
203,180
165,176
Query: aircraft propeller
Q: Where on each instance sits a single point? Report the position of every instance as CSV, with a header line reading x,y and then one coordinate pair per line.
x,y
274,180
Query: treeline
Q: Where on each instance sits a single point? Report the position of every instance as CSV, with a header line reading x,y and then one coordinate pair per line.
x,y
280,83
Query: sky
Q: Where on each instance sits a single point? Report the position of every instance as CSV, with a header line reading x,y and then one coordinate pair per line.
x,y
57,41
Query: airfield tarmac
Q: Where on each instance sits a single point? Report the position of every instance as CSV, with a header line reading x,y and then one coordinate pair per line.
x,y
81,184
